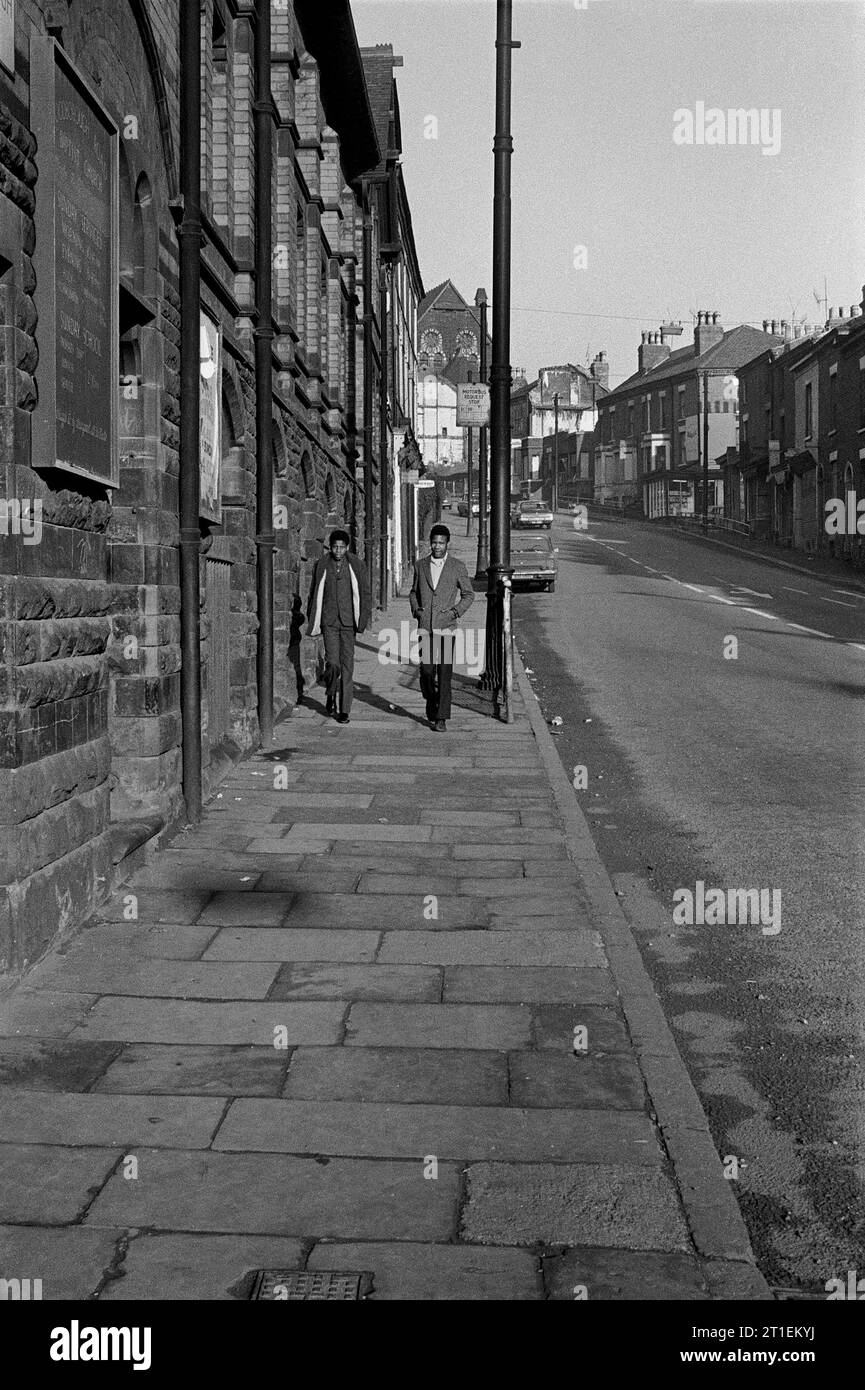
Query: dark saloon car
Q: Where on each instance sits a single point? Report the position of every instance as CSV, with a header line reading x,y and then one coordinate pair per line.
x,y
528,515
535,561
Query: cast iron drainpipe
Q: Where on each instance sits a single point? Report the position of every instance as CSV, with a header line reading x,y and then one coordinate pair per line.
x,y
368,485
189,238
265,538
383,430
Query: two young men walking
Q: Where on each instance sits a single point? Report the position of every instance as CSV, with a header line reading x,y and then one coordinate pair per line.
x,y
339,609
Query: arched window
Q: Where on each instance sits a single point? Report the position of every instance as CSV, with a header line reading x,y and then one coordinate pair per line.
x,y
330,496
279,451
467,343
145,238
137,273
307,474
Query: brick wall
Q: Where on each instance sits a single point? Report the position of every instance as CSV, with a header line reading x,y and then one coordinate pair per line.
x,y
90,729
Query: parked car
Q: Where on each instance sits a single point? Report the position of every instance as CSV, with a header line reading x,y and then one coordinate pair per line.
x,y
532,514
535,561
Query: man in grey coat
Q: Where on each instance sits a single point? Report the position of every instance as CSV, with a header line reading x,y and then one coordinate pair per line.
x,y
441,593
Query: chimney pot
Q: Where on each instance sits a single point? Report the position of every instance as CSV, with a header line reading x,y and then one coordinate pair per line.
x,y
853,311
765,325
715,317
774,325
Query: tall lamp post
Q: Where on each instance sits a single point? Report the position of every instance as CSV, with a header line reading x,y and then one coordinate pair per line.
x,y
469,493
483,529
499,650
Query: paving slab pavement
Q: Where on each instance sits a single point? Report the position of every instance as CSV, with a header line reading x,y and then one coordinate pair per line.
x,y
380,1011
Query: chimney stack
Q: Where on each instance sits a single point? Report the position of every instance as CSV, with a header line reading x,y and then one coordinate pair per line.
x,y
600,370
707,333
653,351
765,325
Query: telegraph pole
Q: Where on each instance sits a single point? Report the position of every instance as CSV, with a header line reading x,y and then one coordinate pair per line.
x,y
555,452
705,453
499,652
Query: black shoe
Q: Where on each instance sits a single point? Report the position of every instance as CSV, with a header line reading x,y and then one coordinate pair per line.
x,y
441,726
343,719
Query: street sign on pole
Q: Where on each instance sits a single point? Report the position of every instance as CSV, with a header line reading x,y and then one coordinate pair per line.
x,y
473,403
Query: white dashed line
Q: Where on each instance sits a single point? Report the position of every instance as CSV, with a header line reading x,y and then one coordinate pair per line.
x,y
839,603
814,632
740,589
850,593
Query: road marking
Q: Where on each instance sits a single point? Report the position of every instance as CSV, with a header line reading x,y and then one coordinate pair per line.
x,y
755,593
815,632
770,617
850,593
839,603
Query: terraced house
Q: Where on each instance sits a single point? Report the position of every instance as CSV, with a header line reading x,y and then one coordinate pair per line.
x,y
156,542
651,427
802,436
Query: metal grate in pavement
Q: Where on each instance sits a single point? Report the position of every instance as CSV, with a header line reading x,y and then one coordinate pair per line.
x,y
291,1285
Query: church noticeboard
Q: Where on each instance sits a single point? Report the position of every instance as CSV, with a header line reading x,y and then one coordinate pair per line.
x,y
76,264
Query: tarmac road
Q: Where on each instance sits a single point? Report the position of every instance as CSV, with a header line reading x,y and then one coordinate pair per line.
x,y
741,770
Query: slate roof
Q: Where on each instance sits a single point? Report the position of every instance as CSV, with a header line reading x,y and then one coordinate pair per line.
x,y
381,87
738,346
444,309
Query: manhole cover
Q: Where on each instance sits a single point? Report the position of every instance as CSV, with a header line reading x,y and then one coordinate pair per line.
x,y
289,1285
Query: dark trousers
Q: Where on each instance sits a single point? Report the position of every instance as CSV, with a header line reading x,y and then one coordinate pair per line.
x,y
435,676
339,667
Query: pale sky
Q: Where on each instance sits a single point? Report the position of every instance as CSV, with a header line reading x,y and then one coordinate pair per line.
x,y
668,228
